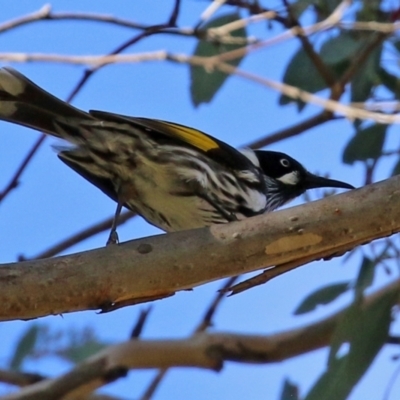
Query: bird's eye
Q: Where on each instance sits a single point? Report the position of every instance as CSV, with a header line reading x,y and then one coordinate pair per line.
x,y
285,162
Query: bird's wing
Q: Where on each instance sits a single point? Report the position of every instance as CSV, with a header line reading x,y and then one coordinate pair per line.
x,y
169,132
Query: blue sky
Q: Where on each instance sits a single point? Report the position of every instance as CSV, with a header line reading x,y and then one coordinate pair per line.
x,y
52,202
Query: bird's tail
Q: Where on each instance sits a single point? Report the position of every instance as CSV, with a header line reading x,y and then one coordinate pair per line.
x,y
24,103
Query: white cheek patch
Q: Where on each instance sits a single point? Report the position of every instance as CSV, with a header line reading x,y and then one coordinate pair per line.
x,y
292,178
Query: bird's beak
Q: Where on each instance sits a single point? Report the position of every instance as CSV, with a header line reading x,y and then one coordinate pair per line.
x,y
314,181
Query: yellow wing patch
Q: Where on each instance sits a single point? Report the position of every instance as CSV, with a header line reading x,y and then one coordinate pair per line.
x,y
191,136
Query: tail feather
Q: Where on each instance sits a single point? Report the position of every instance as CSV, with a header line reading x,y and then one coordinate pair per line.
x,y
23,102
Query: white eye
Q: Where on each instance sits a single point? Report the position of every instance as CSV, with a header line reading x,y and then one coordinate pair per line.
x,y
284,162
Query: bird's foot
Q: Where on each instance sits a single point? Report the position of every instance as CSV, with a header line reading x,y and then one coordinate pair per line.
x,y
113,238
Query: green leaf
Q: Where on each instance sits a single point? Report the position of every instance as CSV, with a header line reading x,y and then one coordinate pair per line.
x,y
365,276
396,45
205,84
336,52
325,386
366,332
324,8
302,73
321,296
396,169
390,81
25,346
366,144
340,48
371,11
299,7
367,77
77,353
344,330
290,391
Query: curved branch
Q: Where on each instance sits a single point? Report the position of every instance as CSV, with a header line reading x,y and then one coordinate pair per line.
x,y
157,266
202,350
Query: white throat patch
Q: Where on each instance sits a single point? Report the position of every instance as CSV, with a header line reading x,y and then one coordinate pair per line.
x,y
291,178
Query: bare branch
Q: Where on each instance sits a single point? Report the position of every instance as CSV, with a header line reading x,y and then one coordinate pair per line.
x,y
19,378
291,131
203,350
315,230
46,14
211,62
26,19
374,26
349,112
203,325
324,71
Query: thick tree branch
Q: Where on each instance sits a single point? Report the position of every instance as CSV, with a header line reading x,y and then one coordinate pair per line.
x,y
202,350
158,266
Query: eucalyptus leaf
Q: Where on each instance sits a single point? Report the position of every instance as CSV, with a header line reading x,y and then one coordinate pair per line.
x,y
340,48
25,346
396,169
366,335
290,391
366,144
321,296
77,353
206,83
302,73
367,77
390,81
366,276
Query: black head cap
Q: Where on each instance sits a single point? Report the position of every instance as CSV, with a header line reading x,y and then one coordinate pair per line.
x,y
292,179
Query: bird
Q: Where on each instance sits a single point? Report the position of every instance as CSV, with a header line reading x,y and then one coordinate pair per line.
x,y
174,176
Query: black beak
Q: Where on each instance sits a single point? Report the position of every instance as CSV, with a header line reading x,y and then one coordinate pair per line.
x,y
314,181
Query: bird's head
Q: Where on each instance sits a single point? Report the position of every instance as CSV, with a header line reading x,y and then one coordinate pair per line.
x,y
289,178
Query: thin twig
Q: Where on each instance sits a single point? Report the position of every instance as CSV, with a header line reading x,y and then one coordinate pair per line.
x,y
147,32
14,182
254,8
139,325
360,58
324,71
46,14
21,379
210,63
205,323
291,131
